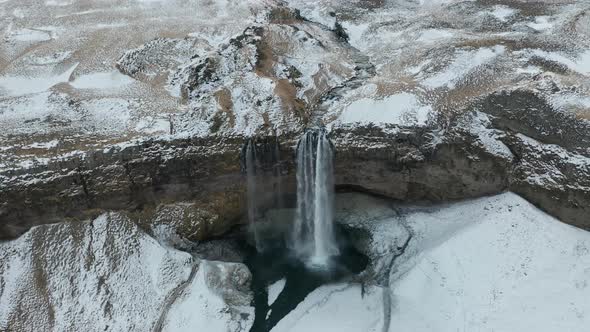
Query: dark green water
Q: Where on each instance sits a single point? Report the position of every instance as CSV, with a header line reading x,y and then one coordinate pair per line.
x,y
277,263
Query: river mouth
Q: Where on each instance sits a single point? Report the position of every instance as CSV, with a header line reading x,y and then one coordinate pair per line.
x,y
277,264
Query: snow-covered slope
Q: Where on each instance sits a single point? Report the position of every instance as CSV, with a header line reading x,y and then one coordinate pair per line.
x,y
217,299
434,57
108,275
493,264
490,264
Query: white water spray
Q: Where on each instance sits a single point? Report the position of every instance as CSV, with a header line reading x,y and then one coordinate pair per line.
x,y
313,231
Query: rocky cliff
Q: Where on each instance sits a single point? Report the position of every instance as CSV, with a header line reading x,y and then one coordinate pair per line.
x,y
424,102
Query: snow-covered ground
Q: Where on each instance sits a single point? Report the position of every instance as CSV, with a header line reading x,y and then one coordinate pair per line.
x,y
490,264
336,308
274,290
203,306
444,54
59,75
108,275
402,108
98,73
493,264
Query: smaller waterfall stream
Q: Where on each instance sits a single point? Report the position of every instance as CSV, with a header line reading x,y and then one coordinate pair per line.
x,y
313,231
261,164
277,174
251,168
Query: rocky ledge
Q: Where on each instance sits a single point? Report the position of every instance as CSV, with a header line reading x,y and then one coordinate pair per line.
x,y
423,103
468,158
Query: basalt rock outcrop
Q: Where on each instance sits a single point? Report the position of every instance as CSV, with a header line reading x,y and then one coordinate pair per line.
x,y
404,163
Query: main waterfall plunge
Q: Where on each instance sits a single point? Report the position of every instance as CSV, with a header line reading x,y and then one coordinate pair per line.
x,y
297,243
311,238
313,231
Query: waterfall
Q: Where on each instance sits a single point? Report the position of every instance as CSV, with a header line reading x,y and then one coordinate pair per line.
x,y
261,163
313,232
251,169
312,238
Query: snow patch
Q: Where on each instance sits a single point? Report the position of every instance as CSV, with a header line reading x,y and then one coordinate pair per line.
x,y
274,290
569,100
356,33
151,125
43,145
541,23
434,35
108,80
480,125
464,63
503,13
22,85
30,35
403,108
580,64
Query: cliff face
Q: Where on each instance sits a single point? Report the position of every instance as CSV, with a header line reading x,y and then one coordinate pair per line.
x,y
424,102
404,163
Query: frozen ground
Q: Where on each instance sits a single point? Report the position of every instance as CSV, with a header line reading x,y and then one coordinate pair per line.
x,y
491,264
336,308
